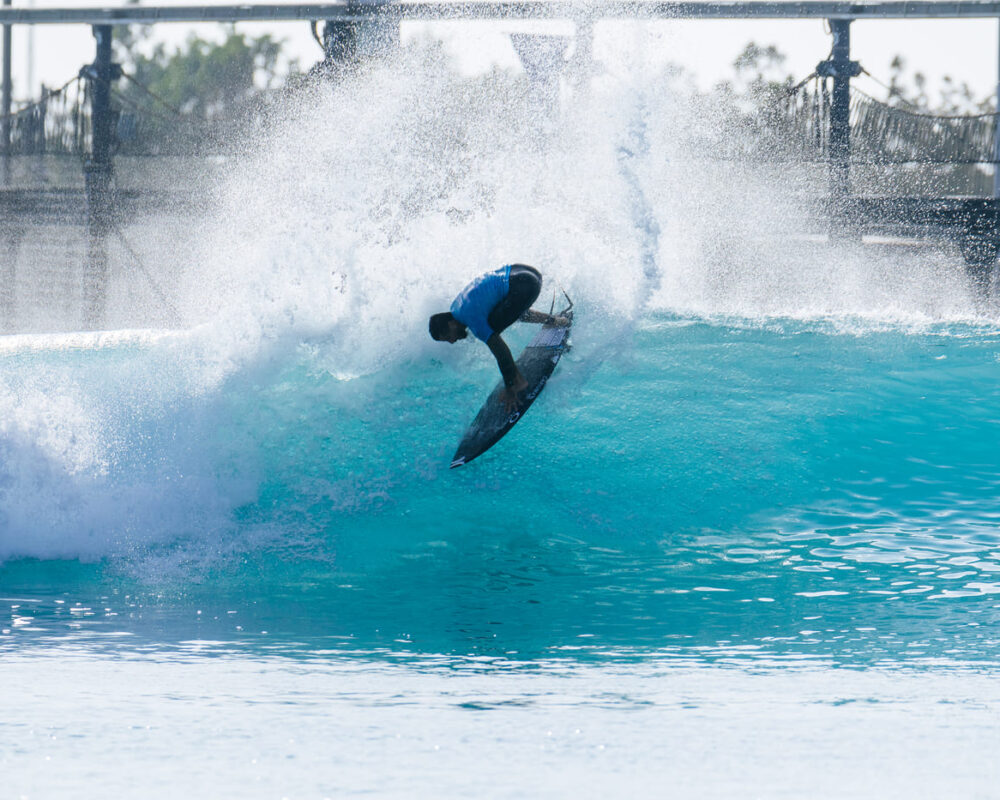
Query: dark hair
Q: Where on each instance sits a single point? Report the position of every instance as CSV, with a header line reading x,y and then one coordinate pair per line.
x,y
438,325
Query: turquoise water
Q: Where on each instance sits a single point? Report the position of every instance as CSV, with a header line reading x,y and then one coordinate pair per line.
x,y
782,488
776,538
745,543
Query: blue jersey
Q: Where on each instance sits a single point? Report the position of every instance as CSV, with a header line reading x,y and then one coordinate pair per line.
x,y
479,298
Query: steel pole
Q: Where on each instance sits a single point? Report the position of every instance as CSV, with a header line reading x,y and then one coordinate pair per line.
x,y
996,128
840,109
5,101
97,180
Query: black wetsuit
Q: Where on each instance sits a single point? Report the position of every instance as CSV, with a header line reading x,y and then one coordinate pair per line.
x,y
525,286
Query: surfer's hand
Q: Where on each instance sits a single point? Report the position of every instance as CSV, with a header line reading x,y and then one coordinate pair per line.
x,y
510,393
561,322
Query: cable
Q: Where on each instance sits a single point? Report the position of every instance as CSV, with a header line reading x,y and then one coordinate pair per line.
x,y
128,101
925,114
889,89
142,268
202,126
802,83
918,112
49,94
156,97
196,125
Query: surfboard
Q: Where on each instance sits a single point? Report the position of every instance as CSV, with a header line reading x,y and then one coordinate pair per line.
x,y
536,364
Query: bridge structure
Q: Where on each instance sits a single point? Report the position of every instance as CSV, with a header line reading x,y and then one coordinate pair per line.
x,y
972,222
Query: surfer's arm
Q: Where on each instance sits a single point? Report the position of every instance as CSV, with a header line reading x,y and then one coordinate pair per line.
x,y
513,380
504,360
532,316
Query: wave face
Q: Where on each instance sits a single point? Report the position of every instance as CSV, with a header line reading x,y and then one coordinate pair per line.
x,y
756,442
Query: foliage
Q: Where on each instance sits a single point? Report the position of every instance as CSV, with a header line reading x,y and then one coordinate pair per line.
x,y
199,95
749,111
759,78
954,98
762,64
204,79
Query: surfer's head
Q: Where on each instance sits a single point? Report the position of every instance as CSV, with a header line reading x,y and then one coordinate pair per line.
x,y
445,328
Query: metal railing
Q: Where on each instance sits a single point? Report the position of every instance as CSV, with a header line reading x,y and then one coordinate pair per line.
x,y
503,9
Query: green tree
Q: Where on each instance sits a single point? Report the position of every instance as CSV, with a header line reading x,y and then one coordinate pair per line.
x,y
955,98
760,76
195,96
204,79
760,65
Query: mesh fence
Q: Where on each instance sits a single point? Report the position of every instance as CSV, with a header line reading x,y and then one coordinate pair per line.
x,y
59,124
888,134
780,126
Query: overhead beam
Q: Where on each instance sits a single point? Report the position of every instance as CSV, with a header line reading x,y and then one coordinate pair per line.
x,y
504,9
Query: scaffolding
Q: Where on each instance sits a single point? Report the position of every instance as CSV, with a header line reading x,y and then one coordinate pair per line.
x,y
98,128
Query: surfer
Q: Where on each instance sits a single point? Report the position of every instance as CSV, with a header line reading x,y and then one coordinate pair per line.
x,y
490,304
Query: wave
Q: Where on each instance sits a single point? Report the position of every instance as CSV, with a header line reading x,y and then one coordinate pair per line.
x,y
303,402
114,451
710,485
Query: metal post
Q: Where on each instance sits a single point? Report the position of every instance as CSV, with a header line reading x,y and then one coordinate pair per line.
x,y
840,109
30,70
5,102
583,56
840,67
13,234
544,60
347,43
97,177
340,44
996,131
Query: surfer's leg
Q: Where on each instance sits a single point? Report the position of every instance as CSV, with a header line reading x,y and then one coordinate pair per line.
x,y
525,286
